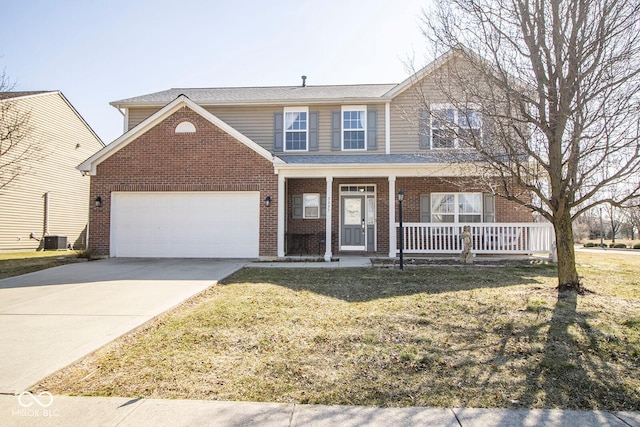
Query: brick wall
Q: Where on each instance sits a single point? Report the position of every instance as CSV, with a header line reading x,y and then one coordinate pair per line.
x,y
506,211
161,160
315,226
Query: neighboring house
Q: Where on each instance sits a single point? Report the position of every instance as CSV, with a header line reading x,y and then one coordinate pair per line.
x,y
274,171
48,196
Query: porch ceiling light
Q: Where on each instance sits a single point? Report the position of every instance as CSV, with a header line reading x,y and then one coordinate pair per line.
x,y
400,195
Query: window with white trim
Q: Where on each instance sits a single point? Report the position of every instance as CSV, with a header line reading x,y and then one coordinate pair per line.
x,y
296,126
311,205
449,124
354,128
456,207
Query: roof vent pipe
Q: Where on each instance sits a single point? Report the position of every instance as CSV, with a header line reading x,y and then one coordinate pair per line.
x,y
304,81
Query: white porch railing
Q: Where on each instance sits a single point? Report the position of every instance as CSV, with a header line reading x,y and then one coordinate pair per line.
x,y
487,238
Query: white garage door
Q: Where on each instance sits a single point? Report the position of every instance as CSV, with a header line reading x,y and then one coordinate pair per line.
x,y
185,224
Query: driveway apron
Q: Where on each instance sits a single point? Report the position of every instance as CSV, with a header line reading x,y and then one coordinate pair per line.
x,y
51,318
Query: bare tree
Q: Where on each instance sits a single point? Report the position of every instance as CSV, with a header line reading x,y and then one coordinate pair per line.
x,y
632,213
615,220
16,149
556,84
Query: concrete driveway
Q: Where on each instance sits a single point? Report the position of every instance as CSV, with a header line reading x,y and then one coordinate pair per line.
x,y
51,318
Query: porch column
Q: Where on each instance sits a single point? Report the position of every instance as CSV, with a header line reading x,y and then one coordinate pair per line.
x,y
327,236
392,217
281,210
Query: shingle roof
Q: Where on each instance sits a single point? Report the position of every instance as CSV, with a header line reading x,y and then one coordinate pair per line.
x,y
9,95
230,95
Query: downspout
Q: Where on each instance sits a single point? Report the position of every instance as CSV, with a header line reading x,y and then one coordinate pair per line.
x,y
125,116
387,127
45,225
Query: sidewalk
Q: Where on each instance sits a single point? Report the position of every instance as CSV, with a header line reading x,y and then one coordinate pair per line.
x,y
116,411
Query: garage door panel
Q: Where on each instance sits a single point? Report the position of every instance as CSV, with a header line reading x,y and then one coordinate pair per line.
x,y
189,224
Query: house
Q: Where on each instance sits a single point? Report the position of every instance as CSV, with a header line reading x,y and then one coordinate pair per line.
x,y
267,172
42,194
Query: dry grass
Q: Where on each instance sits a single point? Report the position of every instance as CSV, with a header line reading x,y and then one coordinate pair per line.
x,y
16,263
428,336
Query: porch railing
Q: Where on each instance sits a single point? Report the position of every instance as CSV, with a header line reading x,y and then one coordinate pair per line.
x,y
487,238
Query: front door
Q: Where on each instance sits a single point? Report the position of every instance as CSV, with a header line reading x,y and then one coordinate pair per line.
x,y
353,223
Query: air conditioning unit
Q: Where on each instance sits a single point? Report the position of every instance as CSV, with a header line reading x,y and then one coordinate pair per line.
x,y
54,243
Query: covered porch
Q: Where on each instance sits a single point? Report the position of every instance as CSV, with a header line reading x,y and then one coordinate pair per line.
x,y
335,206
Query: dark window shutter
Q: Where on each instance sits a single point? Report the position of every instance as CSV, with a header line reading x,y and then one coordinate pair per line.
x,y
313,131
278,125
424,129
372,130
323,206
336,131
489,207
297,206
487,133
425,208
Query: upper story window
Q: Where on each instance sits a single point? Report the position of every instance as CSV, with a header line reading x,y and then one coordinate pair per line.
x,y
449,124
296,129
354,128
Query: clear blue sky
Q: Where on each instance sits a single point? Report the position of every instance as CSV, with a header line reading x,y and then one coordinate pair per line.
x,y
100,51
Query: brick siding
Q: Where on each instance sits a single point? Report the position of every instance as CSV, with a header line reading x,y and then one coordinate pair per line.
x,y
161,160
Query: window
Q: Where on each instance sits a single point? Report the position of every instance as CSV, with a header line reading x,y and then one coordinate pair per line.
x,y
304,206
448,124
296,125
311,205
354,128
185,127
456,207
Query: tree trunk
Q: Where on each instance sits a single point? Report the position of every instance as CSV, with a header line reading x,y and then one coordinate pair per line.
x,y
567,274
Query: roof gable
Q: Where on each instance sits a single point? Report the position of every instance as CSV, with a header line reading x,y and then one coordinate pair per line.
x,y
89,166
19,96
421,74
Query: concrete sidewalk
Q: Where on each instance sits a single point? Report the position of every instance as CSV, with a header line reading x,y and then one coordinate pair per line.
x,y
44,410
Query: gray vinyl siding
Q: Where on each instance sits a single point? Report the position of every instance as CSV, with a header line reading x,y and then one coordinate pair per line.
x,y
405,114
137,115
405,108
257,124
64,142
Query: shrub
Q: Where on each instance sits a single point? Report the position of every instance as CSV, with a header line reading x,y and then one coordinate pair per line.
x,y
589,245
619,245
636,246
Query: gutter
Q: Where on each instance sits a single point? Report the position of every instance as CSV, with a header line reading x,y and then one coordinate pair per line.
x,y
265,103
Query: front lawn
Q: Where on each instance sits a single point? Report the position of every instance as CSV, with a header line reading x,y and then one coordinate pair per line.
x,y
17,263
428,336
